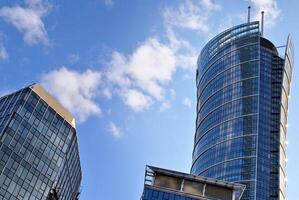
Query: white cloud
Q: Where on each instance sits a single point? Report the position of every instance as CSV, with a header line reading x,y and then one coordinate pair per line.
x,y
42,7
106,92
172,93
28,20
225,24
141,77
165,106
185,53
193,15
73,58
3,52
114,130
149,66
135,99
187,102
75,90
272,12
210,5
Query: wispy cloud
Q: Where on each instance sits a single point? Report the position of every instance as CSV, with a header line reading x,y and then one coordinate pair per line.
x,y
210,5
193,15
108,2
114,130
3,52
172,93
165,106
147,68
75,90
272,11
185,53
73,58
187,102
135,99
28,20
141,77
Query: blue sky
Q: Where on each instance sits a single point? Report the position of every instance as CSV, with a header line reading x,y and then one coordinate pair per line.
x,y
126,69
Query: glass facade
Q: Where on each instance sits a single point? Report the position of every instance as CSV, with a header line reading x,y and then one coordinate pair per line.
x,y
155,194
39,156
242,96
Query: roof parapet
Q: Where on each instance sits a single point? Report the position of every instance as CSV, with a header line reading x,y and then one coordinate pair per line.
x,y
52,102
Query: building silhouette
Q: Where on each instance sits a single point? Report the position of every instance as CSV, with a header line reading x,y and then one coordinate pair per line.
x,y
243,85
39,157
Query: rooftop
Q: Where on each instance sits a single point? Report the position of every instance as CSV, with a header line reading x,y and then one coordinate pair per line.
x,y
184,184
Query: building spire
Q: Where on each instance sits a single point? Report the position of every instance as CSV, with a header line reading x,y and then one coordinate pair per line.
x,y
248,17
262,25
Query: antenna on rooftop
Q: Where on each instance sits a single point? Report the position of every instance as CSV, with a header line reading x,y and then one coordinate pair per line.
x,y
248,17
262,25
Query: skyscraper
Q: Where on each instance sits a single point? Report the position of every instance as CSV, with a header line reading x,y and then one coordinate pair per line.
x,y
39,157
243,85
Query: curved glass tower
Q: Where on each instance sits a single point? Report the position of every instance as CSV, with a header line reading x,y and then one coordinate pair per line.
x,y
242,102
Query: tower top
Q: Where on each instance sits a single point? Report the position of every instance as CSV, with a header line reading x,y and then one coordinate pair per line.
x,y
248,17
262,24
52,102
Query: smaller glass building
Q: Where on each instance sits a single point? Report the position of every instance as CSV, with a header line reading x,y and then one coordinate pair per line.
x,y
39,155
162,184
